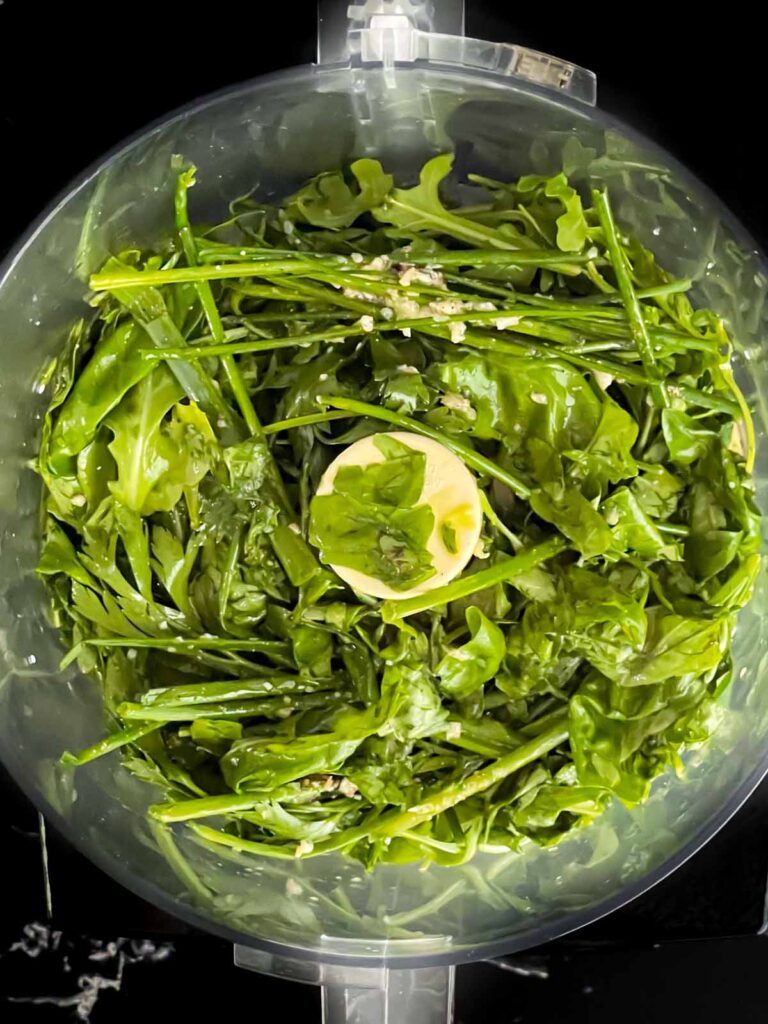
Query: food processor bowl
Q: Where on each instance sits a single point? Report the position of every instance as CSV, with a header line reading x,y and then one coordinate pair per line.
x,y
401,84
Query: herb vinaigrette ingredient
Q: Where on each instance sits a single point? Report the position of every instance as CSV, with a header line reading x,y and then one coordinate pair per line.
x,y
188,545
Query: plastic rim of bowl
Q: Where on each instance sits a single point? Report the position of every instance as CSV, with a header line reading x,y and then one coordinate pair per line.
x,y
558,928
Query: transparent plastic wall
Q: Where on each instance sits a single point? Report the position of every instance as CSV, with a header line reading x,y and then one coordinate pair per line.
x,y
269,137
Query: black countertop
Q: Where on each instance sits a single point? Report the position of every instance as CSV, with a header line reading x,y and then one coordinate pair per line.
x,y
73,944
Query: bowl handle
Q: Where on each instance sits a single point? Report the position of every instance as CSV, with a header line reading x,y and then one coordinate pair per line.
x,y
388,33
363,995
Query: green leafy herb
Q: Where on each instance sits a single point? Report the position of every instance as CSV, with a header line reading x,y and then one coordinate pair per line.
x,y
190,558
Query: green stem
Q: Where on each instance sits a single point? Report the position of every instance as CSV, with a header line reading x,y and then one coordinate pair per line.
x,y
210,309
393,823
673,529
205,807
212,835
472,458
493,343
233,689
269,707
112,742
167,846
180,644
637,324
114,281
394,611
304,421
509,257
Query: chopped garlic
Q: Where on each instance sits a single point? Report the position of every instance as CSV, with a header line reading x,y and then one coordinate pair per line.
x,y
355,293
453,731
432,278
357,257
305,846
459,403
404,368
457,331
366,322
448,306
405,331
480,550
503,322
603,380
379,263
347,788
538,398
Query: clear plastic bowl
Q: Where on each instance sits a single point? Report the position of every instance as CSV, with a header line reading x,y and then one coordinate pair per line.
x,y
270,135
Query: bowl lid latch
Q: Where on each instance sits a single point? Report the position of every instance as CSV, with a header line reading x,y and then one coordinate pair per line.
x,y
388,33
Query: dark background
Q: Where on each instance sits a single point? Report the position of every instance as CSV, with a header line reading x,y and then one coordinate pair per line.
x,y
75,79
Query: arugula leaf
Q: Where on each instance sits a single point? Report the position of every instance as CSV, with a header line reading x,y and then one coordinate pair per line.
x,y
516,399
328,201
607,459
143,451
675,646
420,208
477,661
572,230
584,646
686,441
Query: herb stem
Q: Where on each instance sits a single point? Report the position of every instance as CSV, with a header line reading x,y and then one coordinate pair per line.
x,y
637,324
472,458
394,611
